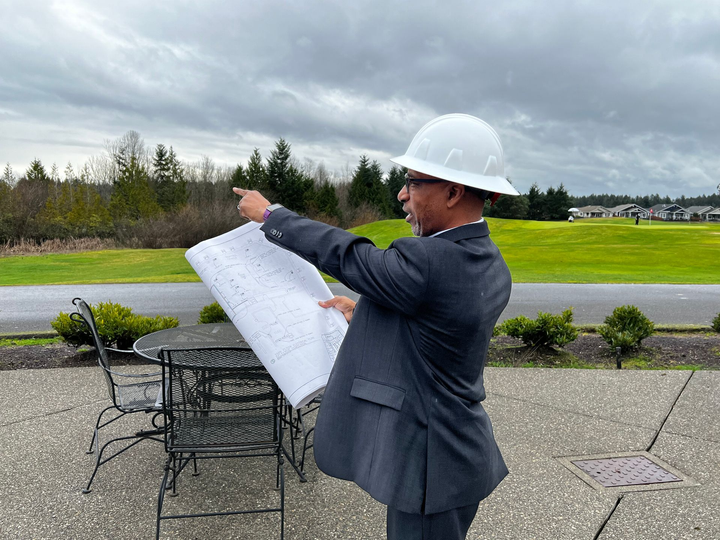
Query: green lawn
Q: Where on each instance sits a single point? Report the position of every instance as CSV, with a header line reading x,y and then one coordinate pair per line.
x,y
109,266
587,251
609,251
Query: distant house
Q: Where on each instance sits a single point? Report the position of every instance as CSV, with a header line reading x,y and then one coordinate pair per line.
x,y
593,211
714,215
670,212
628,211
701,211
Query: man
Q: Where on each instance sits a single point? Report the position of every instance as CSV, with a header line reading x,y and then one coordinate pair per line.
x,y
401,415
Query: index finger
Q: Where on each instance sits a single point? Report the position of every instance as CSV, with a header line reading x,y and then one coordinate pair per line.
x,y
240,191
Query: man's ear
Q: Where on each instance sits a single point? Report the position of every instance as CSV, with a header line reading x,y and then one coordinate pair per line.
x,y
455,193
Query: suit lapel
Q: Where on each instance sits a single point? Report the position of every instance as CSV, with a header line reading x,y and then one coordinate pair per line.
x,y
464,232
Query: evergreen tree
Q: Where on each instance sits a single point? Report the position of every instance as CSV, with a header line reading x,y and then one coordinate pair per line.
x,y
288,185
161,164
255,174
361,183
177,176
238,178
177,173
168,179
378,190
326,200
162,179
508,207
30,195
557,203
132,197
8,177
89,216
36,173
367,186
548,203
278,167
394,183
536,203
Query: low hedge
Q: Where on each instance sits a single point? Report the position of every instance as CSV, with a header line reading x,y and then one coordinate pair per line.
x,y
117,325
545,331
626,328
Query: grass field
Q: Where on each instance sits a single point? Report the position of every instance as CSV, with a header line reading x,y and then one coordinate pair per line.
x,y
587,251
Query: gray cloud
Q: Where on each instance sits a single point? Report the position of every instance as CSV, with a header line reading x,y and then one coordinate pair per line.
x,y
604,97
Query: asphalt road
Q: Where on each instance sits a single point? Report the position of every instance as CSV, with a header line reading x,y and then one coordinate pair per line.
x,y
29,309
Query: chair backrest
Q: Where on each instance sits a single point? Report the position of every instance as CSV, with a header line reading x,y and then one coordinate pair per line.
x,y
85,316
218,399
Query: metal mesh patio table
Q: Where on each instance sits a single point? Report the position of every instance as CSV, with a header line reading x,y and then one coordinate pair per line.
x,y
202,335
150,348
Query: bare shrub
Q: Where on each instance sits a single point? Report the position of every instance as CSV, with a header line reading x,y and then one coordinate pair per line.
x,y
330,220
25,246
183,229
365,213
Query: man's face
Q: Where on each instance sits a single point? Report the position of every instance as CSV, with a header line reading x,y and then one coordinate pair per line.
x,y
422,202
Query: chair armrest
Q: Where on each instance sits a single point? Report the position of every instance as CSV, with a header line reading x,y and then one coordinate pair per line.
x,y
124,351
133,375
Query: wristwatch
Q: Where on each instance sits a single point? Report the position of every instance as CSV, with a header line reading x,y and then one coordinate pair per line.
x,y
269,210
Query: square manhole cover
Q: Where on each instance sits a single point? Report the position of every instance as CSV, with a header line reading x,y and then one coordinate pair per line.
x,y
626,471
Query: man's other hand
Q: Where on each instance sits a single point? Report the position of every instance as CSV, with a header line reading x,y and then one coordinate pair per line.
x,y
343,303
252,205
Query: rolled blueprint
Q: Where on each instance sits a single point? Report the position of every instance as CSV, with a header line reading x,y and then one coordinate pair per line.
x,y
271,295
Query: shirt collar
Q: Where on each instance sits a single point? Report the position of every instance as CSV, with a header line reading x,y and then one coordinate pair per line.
x,y
451,228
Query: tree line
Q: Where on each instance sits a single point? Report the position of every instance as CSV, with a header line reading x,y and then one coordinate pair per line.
x,y
145,197
646,201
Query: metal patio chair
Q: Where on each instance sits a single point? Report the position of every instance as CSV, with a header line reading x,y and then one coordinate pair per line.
x,y
219,402
299,430
139,396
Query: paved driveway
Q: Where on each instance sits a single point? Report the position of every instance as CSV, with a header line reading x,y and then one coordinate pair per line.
x,y
27,309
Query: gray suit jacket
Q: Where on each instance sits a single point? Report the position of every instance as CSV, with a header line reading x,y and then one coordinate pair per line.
x,y
401,415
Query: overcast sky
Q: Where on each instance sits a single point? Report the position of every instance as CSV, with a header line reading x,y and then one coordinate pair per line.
x,y
604,96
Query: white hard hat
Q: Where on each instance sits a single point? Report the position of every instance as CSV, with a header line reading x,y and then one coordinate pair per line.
x,y
459,148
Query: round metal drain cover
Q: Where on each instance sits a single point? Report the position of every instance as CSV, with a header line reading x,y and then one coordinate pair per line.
x,y
625,471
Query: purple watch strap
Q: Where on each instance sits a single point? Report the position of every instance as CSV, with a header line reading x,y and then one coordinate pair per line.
x,y
266,214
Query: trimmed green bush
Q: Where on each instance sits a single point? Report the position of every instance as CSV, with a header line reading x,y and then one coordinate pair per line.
x,y
117,325
626,328
545,331
716,323
212,314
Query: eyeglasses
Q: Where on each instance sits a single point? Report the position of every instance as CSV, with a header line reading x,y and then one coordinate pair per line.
x,y
409,179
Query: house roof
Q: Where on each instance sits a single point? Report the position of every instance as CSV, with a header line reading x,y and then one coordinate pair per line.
x,y
619,208
699,209
625,208
672,208
588,209
715,212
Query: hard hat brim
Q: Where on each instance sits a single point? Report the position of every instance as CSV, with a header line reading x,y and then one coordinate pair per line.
x,y
496,184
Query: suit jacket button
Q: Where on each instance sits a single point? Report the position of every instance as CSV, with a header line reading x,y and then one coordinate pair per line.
x,y
279,234
273,232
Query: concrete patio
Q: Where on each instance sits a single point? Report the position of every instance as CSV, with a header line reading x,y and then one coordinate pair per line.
x,y
539,416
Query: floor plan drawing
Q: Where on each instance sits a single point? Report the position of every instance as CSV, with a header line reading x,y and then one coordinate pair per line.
x,y
272,295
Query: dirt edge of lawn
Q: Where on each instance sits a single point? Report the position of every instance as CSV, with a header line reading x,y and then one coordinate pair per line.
x,y
681,349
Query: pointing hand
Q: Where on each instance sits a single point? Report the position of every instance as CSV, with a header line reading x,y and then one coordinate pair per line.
x,y
252,205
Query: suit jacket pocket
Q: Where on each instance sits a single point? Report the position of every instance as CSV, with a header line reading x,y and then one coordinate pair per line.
x,y
380,393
